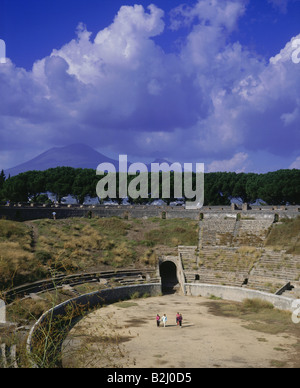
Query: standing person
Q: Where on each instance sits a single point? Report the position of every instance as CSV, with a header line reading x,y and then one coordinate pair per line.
x,y
180,320
177,316
157,320
54,215
164,319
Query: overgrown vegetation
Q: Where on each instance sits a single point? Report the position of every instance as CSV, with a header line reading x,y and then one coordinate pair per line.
x,y
18,263
29,251
286,235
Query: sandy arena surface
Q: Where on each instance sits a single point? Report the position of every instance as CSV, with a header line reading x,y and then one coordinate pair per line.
x,y
204,341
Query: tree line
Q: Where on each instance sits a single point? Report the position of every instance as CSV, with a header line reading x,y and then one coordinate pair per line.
x,y
274,188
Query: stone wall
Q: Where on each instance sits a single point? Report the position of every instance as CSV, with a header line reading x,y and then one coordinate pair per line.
x,y
87,302
20,212
238,294
96,299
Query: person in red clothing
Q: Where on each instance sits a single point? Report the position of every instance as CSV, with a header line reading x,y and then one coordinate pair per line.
x,y
157,320
180,320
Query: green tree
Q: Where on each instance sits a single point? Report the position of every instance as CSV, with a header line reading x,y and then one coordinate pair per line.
x,y
2,181
84,184
59,181
15,189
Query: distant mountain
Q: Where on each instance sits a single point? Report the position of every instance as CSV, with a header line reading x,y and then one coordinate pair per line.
x,y
75,155
161,161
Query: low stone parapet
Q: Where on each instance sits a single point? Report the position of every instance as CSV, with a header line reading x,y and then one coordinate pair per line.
x,y
238,294
83,304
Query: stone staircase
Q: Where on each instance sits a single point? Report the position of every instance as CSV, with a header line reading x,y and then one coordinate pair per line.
x,y
252,232
189,256
189,260
232,252
274,270
131,280
217,231
224,266
233,232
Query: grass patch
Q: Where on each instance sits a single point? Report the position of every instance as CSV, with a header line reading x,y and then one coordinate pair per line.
x,y
213,297
30,251
261,339
173,233
125,305
286,235
256,305
17,261
258,315
262,317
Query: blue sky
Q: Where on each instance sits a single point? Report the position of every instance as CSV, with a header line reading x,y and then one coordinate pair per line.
x,y
209,81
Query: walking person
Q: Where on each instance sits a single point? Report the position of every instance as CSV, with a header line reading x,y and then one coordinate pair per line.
x,y
177,321
180,320
157,320
164,319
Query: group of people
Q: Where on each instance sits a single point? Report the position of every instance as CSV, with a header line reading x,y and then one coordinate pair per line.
x,y
164,320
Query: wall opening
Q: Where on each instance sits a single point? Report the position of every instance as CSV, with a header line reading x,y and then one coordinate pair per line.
x,y
168,274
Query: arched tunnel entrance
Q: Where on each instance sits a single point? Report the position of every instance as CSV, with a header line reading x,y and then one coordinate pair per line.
x,y
168,274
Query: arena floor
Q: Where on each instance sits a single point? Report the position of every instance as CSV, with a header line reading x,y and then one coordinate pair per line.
x,y
125,335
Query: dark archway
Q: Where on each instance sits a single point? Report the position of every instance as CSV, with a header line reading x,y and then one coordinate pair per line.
x,y
168,274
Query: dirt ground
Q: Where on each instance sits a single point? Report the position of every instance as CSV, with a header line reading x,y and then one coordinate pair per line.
x,y
125,335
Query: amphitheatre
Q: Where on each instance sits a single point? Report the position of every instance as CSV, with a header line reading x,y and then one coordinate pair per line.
x,y
235,283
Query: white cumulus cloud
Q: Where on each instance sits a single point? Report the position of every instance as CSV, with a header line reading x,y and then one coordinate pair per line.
x,y
210,98
238,164
296,164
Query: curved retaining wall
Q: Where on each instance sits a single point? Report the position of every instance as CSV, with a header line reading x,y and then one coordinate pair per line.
x,y
88,301
109,296
238,294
